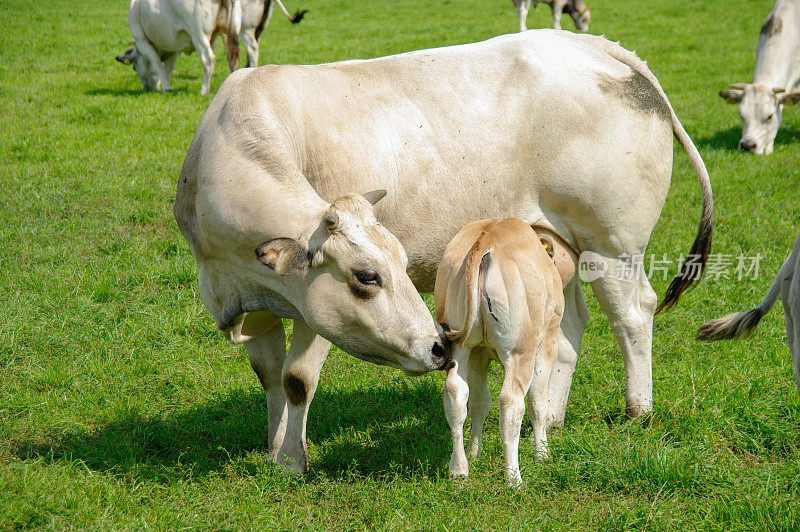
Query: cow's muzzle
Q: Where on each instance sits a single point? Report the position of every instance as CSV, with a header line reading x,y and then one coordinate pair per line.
x,y
747,145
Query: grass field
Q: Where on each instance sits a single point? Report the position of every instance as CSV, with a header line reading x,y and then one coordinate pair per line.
x,y
121,405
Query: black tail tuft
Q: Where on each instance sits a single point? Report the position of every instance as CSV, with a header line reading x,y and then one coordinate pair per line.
x,y
298,15
689,273
738,325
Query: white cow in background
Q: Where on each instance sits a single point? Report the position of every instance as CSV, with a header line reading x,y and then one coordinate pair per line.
x,y
570,133
775,82
255,18
163,29
742,324
577,9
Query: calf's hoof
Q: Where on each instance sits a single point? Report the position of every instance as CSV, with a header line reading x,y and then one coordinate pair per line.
x,y
513,478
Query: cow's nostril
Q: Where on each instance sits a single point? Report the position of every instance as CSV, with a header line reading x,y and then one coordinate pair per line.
x,y
747,145
438,350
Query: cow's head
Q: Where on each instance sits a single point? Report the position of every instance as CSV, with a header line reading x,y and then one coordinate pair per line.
x,y
580,13
142,66
353,288
760,107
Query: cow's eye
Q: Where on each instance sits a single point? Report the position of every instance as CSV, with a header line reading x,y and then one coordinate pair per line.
x,y
770,117
368,277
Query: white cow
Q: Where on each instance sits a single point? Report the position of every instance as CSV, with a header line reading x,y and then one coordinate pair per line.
x,y
577,9
255,18
499,285
163,29
776,80
569,132
742,324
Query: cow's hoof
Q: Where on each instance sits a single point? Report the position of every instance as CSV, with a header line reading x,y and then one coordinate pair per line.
x,y
513,479
637,411
473,451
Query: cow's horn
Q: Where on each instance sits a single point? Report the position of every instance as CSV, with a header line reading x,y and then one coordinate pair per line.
x,y
738,86
778,90
375,196
330,219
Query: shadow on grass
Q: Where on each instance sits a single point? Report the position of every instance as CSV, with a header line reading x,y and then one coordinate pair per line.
x,y
728,139
398,428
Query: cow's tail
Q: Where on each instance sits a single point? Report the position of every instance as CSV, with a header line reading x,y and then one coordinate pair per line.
x,y
298,15
233,21
478,261
695,264
742,324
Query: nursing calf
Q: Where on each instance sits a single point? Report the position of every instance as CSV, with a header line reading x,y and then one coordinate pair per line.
x,y
498,284
741,324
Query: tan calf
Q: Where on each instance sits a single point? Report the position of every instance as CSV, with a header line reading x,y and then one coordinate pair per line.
x,y
499,297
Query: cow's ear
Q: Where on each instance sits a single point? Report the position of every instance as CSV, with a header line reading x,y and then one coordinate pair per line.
x,y
732,95
284,255
547,242
790,98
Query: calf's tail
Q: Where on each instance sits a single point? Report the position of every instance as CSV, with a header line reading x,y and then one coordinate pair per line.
x,y
478,261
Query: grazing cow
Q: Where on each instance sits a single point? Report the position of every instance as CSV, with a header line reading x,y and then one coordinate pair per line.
x,y
162,29
742,324
497,282
569,132
255,18
776,81
577,9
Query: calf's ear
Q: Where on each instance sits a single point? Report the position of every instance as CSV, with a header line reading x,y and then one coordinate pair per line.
x,y
283,255
790,98
732,95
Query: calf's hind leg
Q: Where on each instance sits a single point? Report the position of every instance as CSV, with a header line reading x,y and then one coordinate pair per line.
x,y
516,382
480,398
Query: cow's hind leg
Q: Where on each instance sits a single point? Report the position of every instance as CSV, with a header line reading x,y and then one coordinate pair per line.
x,y
300,377
267,353
480,399
517,380
630,302
454,397
570,334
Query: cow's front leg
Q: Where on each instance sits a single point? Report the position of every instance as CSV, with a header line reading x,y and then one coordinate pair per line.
x,y
454,397
517,380
207,58
267,353
523,6
570,334
169,64
558,8
630,302
300,376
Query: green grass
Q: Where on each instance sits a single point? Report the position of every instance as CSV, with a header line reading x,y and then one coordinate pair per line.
x,y
121,406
